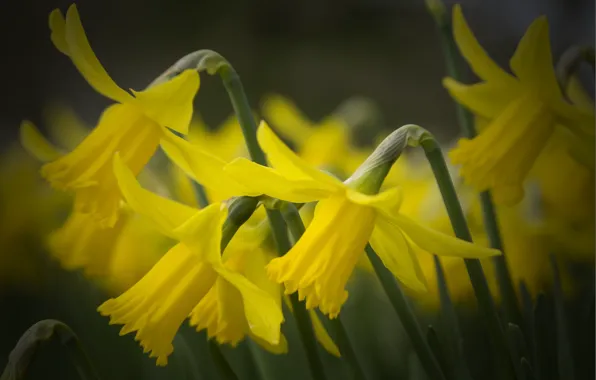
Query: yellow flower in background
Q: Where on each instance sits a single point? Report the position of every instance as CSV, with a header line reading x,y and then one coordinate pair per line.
x,y
324,145
81,244
132,126
29,209
226,141
523,110
156,305
320,263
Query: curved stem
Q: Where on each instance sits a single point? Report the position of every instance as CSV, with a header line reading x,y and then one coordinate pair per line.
x,y
243,112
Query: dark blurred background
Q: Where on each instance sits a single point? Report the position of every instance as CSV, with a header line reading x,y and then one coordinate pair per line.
x,y
317,53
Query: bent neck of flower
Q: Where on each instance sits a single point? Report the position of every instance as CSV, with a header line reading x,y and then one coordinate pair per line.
x,y
214,63
370,175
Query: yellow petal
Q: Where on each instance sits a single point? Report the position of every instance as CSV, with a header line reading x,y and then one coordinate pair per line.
x,y
486,99
264,180
532,60
280,348
183,187
262,312
202,232
474,54
34,143
388,201
287,119
170,104
166,214
58,35
85,60
287,162
64,126
322,335
438,243
390,245
203,167
254,271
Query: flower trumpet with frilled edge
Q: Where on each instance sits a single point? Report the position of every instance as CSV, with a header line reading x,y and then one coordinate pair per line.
x,y
156,305
523,108
319,264
221,311
133,126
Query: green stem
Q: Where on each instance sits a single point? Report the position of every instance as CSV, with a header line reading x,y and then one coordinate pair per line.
x,y
460,227
406,315
225,370
466,123
235,90
296,227
243,112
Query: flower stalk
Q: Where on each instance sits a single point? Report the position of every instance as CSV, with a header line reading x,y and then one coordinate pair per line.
x,y
458,222
213,63
466,123
406,315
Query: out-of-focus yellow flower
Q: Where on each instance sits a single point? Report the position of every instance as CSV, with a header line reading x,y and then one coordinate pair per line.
x,y
158,303
29,209
132,127
523,111
81,244
324,145
320,263
226,141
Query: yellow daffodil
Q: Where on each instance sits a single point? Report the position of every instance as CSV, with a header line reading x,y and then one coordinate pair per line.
x,y
158,303
226,141
324,145
29,209
523,110
132,126
320,263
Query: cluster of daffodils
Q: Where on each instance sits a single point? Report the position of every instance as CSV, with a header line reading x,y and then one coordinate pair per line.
x,y
157,235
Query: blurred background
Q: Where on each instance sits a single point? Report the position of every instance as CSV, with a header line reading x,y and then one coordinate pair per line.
x,y
317,53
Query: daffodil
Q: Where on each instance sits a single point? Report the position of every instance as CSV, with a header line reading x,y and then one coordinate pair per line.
x,y
523,108
156,305
208,169
325,144
320,263
133,126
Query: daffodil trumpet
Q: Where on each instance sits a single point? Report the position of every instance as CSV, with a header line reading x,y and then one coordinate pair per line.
x,y
347,216
191,279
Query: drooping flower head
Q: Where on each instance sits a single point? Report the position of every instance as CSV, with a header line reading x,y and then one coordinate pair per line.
x,y
320,263
132,126
156,305
523,110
